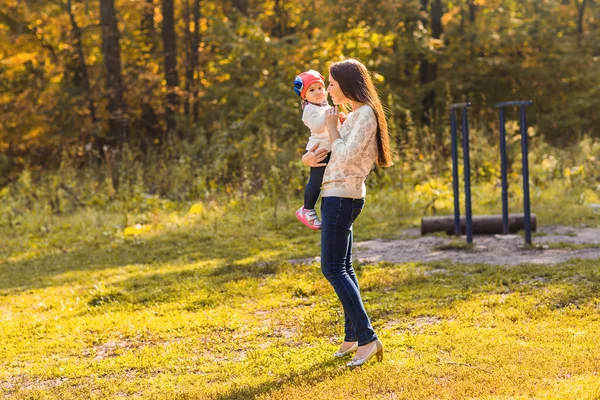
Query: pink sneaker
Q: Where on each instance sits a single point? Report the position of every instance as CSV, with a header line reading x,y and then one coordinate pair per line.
x,y
309,218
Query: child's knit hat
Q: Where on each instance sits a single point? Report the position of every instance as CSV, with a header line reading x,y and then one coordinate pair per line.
x,y
305,79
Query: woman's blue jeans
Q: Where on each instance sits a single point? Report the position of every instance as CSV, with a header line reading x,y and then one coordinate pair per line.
x,y
337,216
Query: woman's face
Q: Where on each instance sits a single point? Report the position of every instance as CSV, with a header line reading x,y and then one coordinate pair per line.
x,y
336,94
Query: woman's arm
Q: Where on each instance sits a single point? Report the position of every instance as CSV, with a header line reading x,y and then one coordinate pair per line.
x,y
362,132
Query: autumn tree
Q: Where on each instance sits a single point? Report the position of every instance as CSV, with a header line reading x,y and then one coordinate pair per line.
x,y
170,64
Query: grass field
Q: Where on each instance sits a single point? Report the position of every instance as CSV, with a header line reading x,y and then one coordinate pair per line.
x,y
209,307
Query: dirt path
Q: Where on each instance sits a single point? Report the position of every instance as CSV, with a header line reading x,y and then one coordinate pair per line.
x,y
553,244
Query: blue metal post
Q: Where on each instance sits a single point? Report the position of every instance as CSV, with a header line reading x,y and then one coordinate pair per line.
x,y
467,172
526,200
453,134
503,166
525,176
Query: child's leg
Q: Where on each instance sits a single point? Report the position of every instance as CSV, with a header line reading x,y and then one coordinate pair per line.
x,y
313,187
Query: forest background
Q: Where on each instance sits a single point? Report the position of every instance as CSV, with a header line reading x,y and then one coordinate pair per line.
x,y
150,166
191,100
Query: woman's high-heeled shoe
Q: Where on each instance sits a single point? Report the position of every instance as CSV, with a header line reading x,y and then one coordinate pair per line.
x,y
340,354
377,350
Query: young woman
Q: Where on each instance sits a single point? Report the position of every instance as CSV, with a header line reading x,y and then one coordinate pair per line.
x,y
360,142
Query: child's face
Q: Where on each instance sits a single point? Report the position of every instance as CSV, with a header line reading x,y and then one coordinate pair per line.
x,y
316,93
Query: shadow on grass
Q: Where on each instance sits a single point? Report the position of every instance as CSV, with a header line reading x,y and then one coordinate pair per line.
x,y
36,272
162,287
571,283
187,247
310,376
574,284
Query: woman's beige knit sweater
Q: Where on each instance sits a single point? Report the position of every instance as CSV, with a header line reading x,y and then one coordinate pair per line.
x,y
352,156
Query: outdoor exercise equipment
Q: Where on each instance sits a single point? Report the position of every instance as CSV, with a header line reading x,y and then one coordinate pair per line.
x,y
485,224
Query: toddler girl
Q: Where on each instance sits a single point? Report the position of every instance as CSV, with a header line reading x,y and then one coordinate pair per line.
x,y
310,86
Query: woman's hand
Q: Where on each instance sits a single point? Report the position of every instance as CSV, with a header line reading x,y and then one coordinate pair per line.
x,y
342,117
313,157
331,121
331,118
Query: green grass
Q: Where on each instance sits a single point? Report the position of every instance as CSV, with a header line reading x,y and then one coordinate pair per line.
x,y
454,245
568,246
209,307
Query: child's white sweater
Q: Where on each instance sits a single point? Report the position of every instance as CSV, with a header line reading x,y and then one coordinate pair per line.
x,y
314,118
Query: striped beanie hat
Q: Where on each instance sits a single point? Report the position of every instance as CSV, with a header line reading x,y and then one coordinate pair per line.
x,y
305,79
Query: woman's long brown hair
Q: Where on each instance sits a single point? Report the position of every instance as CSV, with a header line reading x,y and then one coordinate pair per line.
x,y
356,84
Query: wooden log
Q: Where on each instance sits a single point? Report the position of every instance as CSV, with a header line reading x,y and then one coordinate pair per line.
x,y
482,224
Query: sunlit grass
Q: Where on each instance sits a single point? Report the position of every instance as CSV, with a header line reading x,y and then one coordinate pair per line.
x,y
209,307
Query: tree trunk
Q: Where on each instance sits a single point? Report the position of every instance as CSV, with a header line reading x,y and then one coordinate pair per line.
x,y
82,72
580,13
428,70
279,24
189,72
472,10
117,121
114,79
194,59
241,6
149,118
83,77
436,19
170,62
148,25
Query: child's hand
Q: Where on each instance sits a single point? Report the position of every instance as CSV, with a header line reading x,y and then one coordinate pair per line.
x,y
331,118
342,117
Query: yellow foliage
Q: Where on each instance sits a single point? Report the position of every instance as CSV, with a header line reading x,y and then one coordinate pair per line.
x,y
222,78
577,170
197,208
136,229
378,78
549,163
33,133
591,196
18,59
